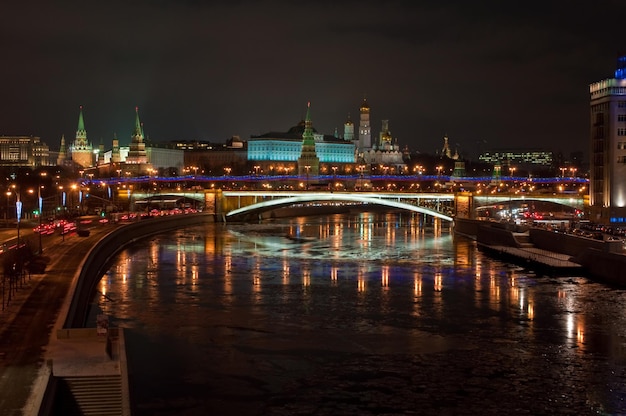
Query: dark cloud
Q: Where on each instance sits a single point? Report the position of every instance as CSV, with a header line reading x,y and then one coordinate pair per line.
x,y
508,73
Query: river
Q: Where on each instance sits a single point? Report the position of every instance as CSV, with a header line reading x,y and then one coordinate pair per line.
x,y
357,314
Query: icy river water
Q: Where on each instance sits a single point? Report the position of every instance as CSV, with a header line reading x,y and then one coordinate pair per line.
x,y
364,314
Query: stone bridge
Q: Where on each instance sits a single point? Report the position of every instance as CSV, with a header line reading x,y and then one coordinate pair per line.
x,y
232,204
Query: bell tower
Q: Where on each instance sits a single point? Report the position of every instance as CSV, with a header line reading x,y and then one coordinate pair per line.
x,y
365,131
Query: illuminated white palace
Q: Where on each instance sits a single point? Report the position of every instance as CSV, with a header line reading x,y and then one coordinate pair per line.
x,y
286,147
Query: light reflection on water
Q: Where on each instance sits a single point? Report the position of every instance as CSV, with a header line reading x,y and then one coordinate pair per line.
x,y
276,292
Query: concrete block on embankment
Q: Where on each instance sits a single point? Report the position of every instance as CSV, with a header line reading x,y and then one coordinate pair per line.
x,y
604,266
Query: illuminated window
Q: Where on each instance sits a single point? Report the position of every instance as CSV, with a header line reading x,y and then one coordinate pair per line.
x,y
621,131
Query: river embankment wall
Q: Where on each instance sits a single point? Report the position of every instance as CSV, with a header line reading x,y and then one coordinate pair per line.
x,y
95,263
570,244
603,261
604,266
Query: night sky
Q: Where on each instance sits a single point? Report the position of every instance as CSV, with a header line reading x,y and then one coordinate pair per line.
x,y
489,74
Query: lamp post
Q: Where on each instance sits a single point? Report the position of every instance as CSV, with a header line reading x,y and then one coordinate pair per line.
x,y
307,168
6,213
18,214
40,200
40,209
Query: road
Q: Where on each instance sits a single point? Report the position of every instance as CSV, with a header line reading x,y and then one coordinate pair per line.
x,y
26,323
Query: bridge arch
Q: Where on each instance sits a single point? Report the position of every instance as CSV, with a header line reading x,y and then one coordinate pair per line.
x,y
546,208
331,197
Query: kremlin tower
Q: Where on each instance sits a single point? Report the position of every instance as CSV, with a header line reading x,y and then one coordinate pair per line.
x,y
81,150
137,159
62,152
308,162
137,152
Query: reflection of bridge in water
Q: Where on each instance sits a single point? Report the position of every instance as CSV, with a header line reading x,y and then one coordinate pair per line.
x,y
238,204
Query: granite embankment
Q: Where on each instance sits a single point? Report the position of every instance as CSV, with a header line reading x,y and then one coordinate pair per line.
x,y
82,368
601,260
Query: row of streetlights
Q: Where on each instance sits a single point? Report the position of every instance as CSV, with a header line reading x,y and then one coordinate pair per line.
x,y
571,170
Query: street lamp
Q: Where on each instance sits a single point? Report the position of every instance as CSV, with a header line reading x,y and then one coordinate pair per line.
x,y
42,174
563,171
6,213
18,214
307,168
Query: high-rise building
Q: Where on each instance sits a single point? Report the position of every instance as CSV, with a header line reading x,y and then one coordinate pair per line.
x,y
608,147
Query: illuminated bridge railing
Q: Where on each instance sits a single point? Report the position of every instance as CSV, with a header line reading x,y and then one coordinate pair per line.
x,y
206,179
240,202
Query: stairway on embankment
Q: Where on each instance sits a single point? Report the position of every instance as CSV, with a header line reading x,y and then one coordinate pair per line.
x,y
91,395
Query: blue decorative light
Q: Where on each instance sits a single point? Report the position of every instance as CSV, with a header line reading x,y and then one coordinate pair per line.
x,y
620,72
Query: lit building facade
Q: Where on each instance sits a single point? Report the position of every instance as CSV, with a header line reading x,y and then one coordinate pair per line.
x,y
159,160
287,147
213,159
23,151
527,159
385,155
608,147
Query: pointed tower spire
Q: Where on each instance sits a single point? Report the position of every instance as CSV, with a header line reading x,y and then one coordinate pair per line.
x,y
62,152
308,163
81,150
80,131
307,135
138,129
137,150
